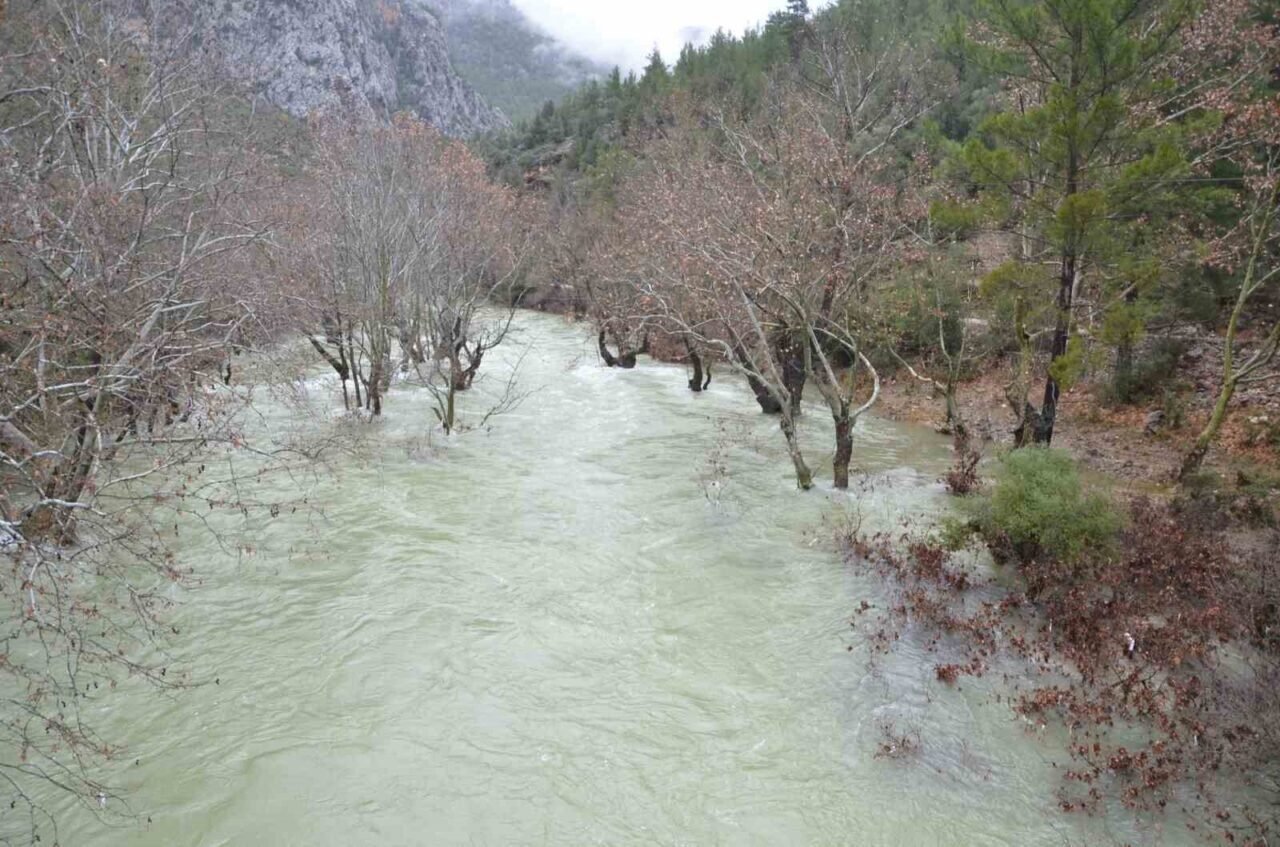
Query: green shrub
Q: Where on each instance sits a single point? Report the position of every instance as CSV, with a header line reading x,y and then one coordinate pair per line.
x,y
954,534
1039,507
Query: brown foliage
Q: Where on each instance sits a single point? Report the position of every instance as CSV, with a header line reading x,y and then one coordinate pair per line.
x,y
1134,641
962,478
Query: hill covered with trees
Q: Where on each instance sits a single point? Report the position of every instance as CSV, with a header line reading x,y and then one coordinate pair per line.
x,y
508,58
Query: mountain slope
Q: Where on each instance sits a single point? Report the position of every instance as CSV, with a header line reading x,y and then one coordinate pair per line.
x,y
509,59
381,56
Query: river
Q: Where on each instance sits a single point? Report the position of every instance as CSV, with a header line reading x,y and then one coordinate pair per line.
x,y
570,629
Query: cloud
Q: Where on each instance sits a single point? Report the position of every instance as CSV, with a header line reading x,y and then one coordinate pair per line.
x,y
623,32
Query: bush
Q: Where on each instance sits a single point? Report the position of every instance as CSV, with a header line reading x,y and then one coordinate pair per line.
x,y
1040,508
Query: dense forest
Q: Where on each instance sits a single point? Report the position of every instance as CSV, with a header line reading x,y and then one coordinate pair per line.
x,y
1035,225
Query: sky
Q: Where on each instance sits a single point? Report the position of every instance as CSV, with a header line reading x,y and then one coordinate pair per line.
x,y
623,32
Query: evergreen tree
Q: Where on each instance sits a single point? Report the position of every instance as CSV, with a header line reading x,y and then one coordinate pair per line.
x,y
656,75
1079,150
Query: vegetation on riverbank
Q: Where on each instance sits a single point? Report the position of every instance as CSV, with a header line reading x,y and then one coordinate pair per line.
x,y
1143,633
1077,197
164,233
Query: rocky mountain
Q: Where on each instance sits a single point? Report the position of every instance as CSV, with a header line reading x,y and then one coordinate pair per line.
x,y
382,56
509,59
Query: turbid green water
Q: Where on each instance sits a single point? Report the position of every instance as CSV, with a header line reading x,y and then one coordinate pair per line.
x,y
546,634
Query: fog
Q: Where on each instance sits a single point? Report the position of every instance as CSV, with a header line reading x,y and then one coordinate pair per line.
x,y
621,32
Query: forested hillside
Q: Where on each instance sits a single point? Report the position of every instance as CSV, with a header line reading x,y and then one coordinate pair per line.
x,y
507,58
1070,192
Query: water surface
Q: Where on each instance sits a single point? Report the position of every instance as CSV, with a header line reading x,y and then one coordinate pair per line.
x,y
608,618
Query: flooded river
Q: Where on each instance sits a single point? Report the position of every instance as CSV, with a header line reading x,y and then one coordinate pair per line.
x,y
608,618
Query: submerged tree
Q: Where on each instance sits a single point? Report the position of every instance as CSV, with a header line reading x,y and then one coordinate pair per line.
x,y
131,191
368,174
412,249
758,237
476,237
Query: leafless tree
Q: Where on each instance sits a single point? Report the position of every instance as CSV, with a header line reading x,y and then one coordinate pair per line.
x,y
129,229
757,238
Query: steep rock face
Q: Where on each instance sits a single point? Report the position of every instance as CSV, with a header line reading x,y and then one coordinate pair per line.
x,y
377,55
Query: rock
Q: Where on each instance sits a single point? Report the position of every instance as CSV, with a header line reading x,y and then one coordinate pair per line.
x,y
1154,423
385,56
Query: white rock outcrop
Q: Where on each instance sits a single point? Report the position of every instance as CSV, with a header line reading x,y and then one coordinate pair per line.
x,y
379,55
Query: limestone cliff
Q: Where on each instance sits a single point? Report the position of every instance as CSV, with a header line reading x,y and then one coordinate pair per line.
x,y
306,55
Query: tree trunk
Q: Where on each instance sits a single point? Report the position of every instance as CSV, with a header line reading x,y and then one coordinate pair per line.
x,y
355,364
844,451
768,403
609,361
625,360
696,381
791,357
374,387
804,477
474,358
955,423
1043,432
1195,458
338,363
1122,381
457,373
1030,429
450,411
385,371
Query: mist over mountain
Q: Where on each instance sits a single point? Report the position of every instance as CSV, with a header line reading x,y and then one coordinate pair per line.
x,y
514,63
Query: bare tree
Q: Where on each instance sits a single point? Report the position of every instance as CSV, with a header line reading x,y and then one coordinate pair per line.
x,y
474,237
758,238
696,265
370,175
410,249
1254,241
128,223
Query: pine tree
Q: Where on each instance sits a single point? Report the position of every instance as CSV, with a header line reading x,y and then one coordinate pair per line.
x,y
1079,151
656,75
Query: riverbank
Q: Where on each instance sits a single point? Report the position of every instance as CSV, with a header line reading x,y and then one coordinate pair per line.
x,y
1155,651
1140,447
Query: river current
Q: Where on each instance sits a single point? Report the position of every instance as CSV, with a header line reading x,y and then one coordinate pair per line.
x,y
606,618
